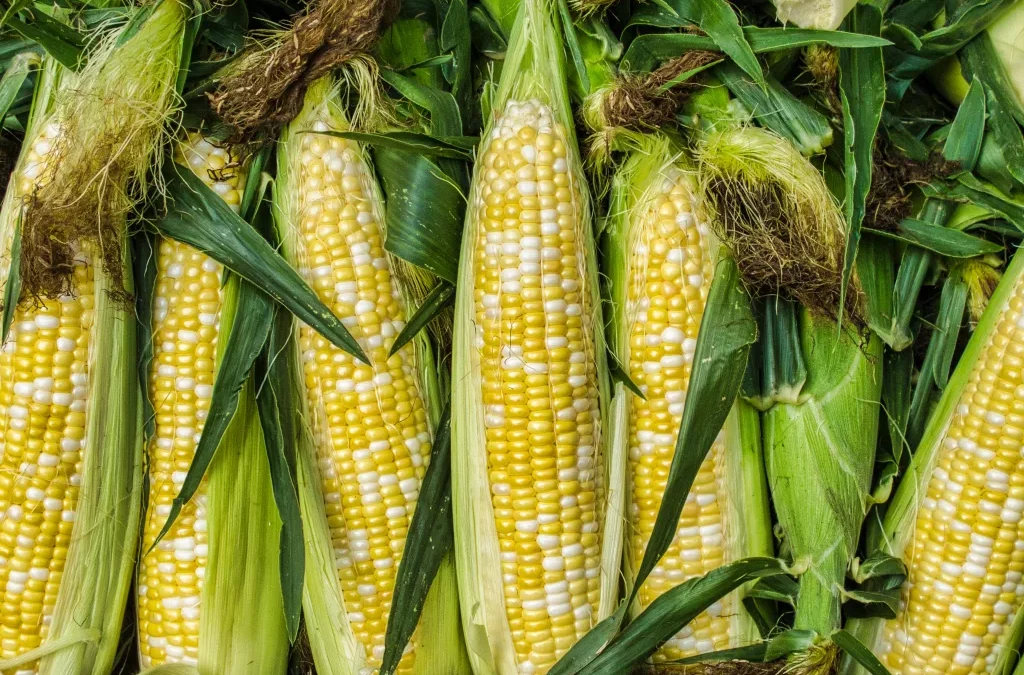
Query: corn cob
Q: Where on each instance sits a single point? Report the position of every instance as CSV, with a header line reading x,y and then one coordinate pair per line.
x,y
527,367
370,422
660,258
956,517
209,595
71,429
187,305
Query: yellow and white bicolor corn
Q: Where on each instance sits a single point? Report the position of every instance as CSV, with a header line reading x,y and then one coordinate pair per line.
x,y
70,406
661,253
956,517
370,423
209,592
537,502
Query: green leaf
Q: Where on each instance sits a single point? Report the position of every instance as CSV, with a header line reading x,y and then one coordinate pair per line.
x,y
947,325
424,212
861,654
723,343
782,588
572,44
1007,135
430,538
645,52
862,89
459,147
619,374
144,268
455,39
978,193
60,41
200,218
774,107
882,566
673,610
445,119
12,289
879,604
590,646
789,642
938,239
439,297
281,456
963,144
896,397
876,273
718,19
14,78
249,332
753,653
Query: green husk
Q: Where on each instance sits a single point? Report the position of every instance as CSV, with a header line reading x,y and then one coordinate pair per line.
x,y
901,516
534,69
241,626
336,651
127,87
819,456
651,159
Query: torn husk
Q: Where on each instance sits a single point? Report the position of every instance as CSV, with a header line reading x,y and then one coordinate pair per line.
x,y
642,101
267,87
775,212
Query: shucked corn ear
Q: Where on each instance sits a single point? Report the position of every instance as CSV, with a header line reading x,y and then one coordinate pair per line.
x,y
661,256
956,517
209,593
71,411
371,423
536,500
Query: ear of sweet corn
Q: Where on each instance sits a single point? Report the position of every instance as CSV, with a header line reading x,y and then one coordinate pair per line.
x,y
369,424
660,255
956,517
536,500
819,456
198,604
71,422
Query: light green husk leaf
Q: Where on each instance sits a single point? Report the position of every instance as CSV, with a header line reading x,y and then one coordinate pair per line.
x,y
819,456
534,69
901,517
139,75
651,161
242,626
336,650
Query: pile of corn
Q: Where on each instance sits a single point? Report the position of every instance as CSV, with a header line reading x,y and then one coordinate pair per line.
x,y
439,367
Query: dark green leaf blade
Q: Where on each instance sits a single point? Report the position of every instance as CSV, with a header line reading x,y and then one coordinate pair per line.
x,y
723,343
963,145
425,212
862,89
938,239
430,537
13,78
198,217
281,457
859,652
439,297
669,613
